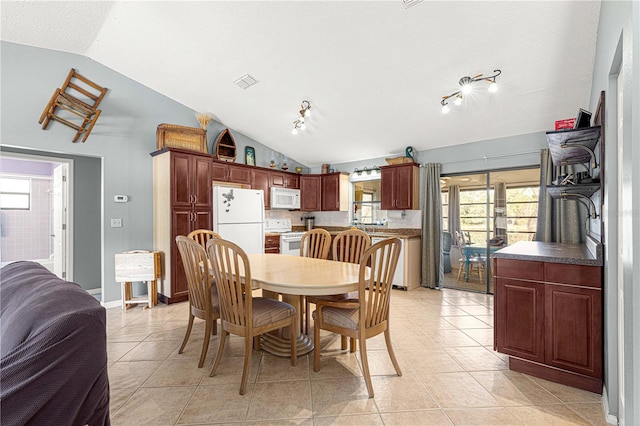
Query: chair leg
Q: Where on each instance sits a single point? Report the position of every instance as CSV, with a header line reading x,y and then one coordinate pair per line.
x,y
343,342
365,365
352,344
245,368
460,270
187,334
392,355
205,343
223,338
307,316
214,328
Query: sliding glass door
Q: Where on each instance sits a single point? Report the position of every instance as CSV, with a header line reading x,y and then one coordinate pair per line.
x,y
482,213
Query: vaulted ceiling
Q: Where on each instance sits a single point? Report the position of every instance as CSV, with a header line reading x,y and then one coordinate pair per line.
x,y
374,71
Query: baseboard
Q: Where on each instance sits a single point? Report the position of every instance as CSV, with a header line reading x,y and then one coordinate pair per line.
x,y
94,290
608,417
112,304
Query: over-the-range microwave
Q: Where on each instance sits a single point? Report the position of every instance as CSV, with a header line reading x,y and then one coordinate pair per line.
x,y
285,198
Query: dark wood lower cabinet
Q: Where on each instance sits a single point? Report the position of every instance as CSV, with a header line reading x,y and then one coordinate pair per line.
x,y
548,319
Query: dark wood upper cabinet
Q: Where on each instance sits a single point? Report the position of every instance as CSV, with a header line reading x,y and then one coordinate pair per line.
x,y
261,180
335,192
310,193
277,179
291,181
240,174
400,187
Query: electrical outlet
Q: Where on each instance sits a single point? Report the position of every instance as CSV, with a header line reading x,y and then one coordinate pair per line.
x,y
116,223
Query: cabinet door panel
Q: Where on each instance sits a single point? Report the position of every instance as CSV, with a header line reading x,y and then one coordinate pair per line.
x,y
202,220
330,192
181,224
277,179
180,180
292,181
201,175
520,269
520,318
584,275
220,172
403,186
310,193
239,174
260,180
573,328
387,182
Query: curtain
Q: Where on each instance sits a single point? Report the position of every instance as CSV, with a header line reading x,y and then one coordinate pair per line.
x,y
500,211
432,259
559,221
454,212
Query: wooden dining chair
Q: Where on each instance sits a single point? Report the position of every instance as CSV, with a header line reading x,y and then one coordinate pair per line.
x,y
348,246
314,243
241,313
201,236
203,296
368,315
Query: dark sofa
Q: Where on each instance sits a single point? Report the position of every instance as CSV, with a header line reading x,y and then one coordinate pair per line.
x,y
53,352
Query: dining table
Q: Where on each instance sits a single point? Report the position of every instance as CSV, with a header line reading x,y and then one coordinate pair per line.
x,y
295,276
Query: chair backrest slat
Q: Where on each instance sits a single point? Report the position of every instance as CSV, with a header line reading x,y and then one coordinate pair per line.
x,y
201,236
350,245
315,243
194,260
230,264
379,263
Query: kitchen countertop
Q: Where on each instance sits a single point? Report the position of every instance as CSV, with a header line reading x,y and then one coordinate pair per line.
x,y
378,232
576,254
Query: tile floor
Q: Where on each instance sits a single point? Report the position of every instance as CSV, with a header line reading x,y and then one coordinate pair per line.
x,y
443,341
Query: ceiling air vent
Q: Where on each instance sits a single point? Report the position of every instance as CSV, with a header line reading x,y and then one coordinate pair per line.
x,y
408,3
245,81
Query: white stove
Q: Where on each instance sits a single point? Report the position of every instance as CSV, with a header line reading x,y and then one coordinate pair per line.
x,y
289,240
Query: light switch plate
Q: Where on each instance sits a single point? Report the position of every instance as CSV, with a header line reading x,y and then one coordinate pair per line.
x,y
116,223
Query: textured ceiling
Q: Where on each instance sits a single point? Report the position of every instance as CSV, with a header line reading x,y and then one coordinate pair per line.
x,y
373,71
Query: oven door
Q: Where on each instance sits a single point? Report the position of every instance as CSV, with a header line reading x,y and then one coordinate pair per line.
x,y
290,245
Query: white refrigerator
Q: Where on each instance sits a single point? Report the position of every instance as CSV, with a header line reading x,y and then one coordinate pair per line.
x,y
238,216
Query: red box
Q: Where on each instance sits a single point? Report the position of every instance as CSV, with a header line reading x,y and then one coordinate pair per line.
x,y
567,123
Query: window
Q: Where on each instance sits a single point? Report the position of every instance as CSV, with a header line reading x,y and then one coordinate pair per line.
x,y
473,213
366,202
522,213
15,193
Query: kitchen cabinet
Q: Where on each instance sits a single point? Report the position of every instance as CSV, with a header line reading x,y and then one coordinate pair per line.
x,y
182,202
284,180
310,195
235,173
335,192
261,179
400,185
272,244
548,319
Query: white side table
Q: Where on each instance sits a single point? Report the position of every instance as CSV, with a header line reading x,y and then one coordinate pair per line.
x,y
136,266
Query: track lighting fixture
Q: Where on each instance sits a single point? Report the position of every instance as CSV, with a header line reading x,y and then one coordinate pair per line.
x,y
466,87
305,112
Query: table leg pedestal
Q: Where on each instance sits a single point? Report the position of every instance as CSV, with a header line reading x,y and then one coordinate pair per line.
x,y
277,342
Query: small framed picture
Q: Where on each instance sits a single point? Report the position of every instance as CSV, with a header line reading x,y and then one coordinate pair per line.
x,y
250,155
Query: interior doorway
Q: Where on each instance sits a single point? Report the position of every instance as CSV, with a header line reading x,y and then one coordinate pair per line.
x,y
35,211
482,213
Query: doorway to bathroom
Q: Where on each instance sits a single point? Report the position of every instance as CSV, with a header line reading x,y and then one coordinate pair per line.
x,y
35,211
